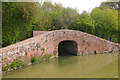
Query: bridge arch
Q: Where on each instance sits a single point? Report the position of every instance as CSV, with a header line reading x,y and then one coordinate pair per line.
x,y
67,47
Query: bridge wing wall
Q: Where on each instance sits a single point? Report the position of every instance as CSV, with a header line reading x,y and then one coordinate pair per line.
x,y
37,47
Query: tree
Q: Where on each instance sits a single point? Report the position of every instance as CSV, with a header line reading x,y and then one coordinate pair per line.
x,y
106,22
17,21
84,23
112,4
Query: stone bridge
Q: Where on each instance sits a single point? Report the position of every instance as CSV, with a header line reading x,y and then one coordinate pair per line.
x,y
56,43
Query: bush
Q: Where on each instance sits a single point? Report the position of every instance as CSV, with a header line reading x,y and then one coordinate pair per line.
x,y
33,60
18,63
5,68
13,65
47,56
42,49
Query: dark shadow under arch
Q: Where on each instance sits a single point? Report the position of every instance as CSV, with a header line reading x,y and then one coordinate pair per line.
x,y
67,47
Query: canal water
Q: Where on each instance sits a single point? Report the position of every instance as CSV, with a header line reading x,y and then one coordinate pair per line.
x,y
88,66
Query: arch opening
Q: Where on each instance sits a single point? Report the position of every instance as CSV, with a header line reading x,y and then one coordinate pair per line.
x,y
67,47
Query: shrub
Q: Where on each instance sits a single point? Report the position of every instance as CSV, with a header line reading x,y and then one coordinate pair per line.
x,y
5,68
13,65
33,60
24,63
18,63
47,56
42,49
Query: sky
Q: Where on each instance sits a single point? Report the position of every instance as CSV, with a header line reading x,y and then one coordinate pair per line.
x,y
80,5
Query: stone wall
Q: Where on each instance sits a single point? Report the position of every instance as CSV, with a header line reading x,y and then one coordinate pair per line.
x,y
45,45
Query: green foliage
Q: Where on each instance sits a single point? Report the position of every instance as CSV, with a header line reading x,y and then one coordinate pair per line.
x,y
112,4
47,56
19,63
38,45
42,49
64,18
20,19
13,65
84,23
106,23
33,60
5,68
17,21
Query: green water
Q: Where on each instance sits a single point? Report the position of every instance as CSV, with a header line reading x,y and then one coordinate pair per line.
x,y
88,66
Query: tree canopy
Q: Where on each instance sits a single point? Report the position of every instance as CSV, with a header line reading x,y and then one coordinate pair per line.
x,y
20,19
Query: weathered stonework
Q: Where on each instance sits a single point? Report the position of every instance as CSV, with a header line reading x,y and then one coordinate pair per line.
x,y
47,43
